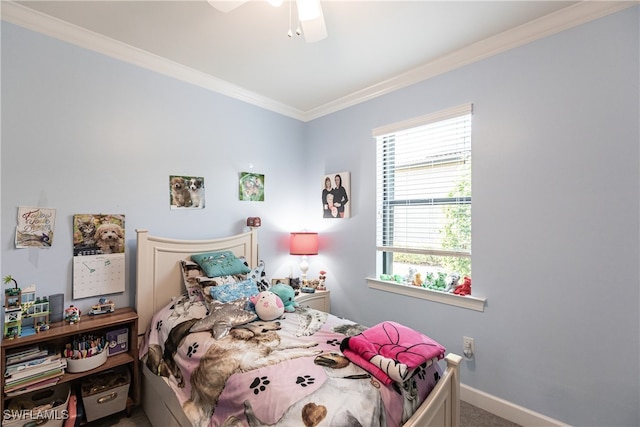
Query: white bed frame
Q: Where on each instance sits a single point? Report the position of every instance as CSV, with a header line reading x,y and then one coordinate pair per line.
x,y
159,280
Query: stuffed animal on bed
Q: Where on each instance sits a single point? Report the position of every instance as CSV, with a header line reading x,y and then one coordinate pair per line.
x,y
287,295
268,305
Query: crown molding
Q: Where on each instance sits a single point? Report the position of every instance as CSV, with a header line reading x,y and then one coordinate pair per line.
x,y
569,17
62,30
561,20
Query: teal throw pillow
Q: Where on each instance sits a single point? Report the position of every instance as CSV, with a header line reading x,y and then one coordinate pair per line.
x,y
225,263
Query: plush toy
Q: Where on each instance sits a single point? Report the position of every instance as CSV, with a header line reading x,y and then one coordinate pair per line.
x,y
287,295
322,277
417,281
268,305
464,288
452,282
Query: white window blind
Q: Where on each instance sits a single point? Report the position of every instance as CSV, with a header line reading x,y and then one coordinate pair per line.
x,y
424,184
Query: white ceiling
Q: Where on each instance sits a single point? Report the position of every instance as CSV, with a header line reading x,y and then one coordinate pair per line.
x,y
373,46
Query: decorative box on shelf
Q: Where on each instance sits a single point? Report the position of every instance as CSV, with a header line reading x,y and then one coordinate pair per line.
x,y
118,341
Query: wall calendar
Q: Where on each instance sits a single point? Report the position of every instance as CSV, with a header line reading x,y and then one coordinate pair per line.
x,y
98,254
98,275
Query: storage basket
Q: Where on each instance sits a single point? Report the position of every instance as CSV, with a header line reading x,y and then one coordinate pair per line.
x,y
106,393
38,407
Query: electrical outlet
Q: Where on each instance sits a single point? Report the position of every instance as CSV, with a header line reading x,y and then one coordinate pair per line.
x,y
468,347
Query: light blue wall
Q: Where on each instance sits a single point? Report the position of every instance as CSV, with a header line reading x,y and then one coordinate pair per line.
x,y
555,221
556,180
84,133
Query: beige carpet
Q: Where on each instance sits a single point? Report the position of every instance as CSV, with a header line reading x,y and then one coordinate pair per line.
x,y
470,416
137,419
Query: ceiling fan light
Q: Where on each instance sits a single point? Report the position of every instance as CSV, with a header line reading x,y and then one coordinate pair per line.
x,y
226,6
314,30
309,10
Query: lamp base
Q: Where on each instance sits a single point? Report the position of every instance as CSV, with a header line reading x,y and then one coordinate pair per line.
x,y
304,267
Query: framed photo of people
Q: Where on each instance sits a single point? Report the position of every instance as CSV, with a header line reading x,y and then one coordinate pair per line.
x,y
336,194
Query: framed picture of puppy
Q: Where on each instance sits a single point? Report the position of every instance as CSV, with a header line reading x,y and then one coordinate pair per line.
x,y
284,281
186,192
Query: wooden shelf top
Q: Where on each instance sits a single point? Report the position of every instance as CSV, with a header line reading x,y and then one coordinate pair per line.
x,y
87,323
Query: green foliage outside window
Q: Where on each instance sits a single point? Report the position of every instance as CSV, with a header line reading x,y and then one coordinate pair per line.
x,y
457,230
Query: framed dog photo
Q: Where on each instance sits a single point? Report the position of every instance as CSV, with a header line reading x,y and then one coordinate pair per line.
x,y
186,192
284,281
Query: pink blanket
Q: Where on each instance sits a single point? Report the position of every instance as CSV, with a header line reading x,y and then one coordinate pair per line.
x,y
391,352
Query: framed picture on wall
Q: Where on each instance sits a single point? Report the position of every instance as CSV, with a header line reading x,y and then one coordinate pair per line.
x,y
336,193
251,187
35,227
186,192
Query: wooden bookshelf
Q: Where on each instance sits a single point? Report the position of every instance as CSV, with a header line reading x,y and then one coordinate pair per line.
x,y
62,332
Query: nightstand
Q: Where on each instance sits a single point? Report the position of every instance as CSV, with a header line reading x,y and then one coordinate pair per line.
x,y
319,300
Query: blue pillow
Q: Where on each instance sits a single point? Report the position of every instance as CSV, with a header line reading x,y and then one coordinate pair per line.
x,y
234,291
215,264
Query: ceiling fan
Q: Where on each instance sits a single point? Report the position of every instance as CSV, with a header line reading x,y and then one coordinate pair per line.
x,y
310,16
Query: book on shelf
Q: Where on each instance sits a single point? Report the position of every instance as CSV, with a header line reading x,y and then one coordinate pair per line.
x,y
33,387
51,365
22,367
24,355
30,381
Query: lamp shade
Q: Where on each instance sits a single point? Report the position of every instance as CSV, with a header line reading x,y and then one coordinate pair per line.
x,y
303,243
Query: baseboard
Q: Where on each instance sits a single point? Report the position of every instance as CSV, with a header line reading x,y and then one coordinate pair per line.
x,y
507,410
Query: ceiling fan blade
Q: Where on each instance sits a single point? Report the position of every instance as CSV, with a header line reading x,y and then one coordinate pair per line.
x,y
312,20
226,5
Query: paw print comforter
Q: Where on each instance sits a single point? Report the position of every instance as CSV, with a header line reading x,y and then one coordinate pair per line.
x,y
289,372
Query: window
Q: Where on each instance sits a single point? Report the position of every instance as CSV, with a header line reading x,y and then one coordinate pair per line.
x,y
423,194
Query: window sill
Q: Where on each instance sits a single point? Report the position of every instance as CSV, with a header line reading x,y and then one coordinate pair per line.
x,y
472,303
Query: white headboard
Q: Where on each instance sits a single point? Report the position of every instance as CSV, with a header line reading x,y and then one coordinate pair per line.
x,y
159,277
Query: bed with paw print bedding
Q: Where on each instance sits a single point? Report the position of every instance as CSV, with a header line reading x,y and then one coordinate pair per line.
x,y
229,368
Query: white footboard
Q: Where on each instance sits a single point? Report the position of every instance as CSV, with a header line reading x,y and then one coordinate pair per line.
x,y
442,407
159,402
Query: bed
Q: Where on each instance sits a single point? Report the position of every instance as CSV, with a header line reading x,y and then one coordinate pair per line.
x,y
160,288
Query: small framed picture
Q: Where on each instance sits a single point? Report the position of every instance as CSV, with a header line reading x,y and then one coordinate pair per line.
x,y
284,281
251,187
336,193
186,192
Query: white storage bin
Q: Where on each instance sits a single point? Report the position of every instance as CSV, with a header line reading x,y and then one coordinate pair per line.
x,y
105,393
38,407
